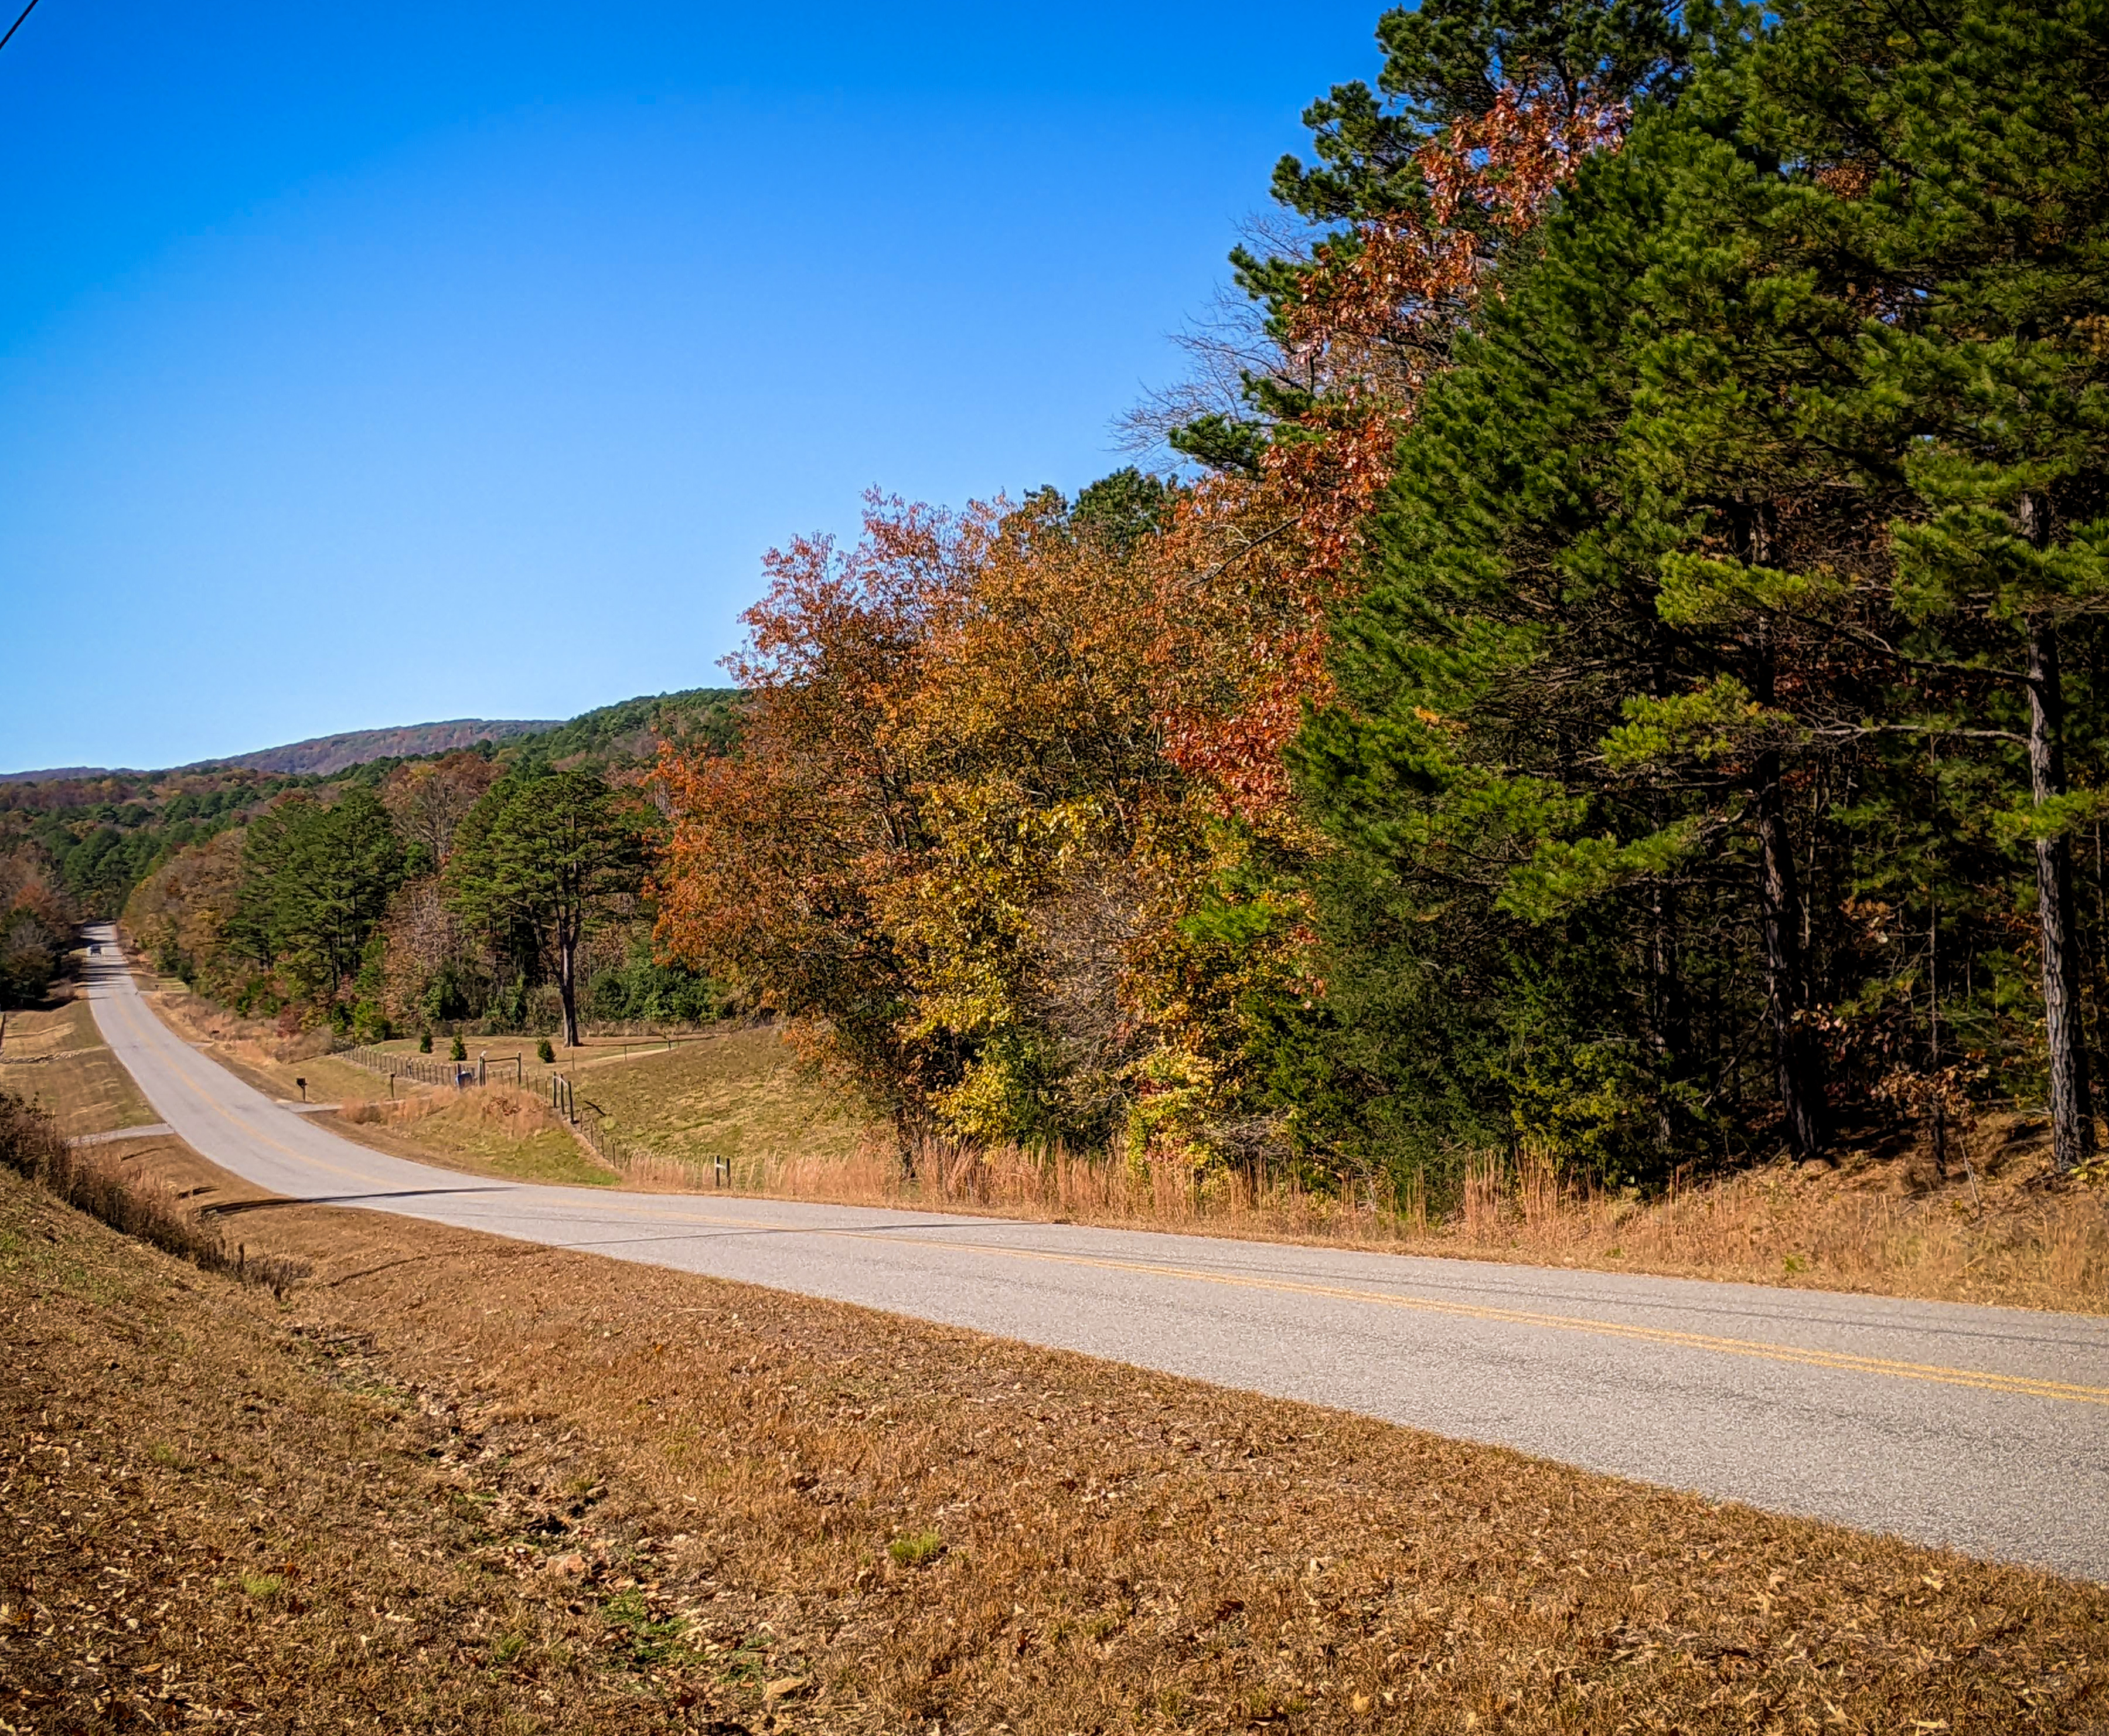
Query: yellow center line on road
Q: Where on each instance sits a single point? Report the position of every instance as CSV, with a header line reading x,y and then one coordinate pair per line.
x,y
1845,1361
1982,1380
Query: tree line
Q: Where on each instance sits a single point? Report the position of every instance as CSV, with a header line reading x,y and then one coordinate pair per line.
x,y
1620,668
457,890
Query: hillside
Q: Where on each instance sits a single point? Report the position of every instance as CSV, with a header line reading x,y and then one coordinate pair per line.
x,y
618,732
321,755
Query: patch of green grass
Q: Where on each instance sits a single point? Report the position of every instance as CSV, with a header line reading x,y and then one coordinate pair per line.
x,y
1107,1622
507,1648
916,1549
170,1459
546,1155
649,1641
263,1588
748,1661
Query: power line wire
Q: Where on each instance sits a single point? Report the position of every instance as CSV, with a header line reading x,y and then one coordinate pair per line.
x,y
17,25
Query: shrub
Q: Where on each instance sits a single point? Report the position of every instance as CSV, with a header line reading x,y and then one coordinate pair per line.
x,y
424,1042
543,1052
459,1051
643,989
446,993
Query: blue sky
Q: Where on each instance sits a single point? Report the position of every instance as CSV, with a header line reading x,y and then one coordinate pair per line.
x,y
366,365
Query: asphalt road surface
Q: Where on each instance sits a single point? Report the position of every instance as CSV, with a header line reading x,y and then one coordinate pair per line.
x,y
1983,1429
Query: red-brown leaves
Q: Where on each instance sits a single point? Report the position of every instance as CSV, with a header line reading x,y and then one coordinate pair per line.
x,y
1254,568
970,813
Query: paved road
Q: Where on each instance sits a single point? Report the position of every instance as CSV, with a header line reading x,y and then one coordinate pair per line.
x,y
1987,1429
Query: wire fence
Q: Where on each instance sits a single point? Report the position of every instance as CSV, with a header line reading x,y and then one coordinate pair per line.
x,y
632,1163
430,1070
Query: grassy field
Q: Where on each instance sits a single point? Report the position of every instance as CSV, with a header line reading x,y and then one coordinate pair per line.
x,y
55,1058
592,1051
458,1482
741,1096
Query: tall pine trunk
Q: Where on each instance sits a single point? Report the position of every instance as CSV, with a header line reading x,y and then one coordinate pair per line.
x,y
1780,914
1668,1018
1668,1015
2071,1107
567,993
1779,897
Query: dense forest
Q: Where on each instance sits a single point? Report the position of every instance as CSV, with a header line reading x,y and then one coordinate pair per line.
x,y
1620,667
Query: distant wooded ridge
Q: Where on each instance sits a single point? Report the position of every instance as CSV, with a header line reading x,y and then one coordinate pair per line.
x,y
321,755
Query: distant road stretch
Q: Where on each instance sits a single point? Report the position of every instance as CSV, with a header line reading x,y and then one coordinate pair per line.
x,y
1985,1429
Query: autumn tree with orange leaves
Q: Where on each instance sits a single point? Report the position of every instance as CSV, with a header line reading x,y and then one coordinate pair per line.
x,y
932,846
998,835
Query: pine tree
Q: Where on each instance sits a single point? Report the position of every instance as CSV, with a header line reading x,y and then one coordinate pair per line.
x,y
1974,152
558,855
1696,573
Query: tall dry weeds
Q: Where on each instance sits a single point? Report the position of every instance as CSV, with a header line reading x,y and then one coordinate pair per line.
x,y
94,1181
505,1108
2023,1240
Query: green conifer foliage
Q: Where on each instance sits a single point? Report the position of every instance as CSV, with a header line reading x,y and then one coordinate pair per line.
x,y
1726,684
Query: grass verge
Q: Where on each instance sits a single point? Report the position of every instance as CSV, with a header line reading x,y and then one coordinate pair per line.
x,y
456,1482
126,1195
488,1130
55,1057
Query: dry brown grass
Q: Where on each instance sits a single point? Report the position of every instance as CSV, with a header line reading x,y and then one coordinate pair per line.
x,y
55,1057
460,1483
2007,1233
207,1527
487,1130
